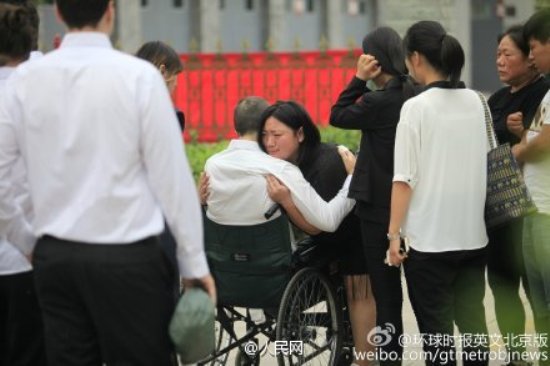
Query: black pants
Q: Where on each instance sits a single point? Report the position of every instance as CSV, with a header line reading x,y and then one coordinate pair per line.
x,y
447,288
386,287
169,246
105,304
505,271
21,332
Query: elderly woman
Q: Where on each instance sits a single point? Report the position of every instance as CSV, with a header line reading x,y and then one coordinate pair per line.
x,y
513,108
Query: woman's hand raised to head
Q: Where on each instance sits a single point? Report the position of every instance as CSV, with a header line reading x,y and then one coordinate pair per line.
x,y
367,67
348,158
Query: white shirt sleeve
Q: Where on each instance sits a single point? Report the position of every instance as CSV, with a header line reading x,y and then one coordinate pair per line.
x,y
407,147
170,176
545,109
325,216
12,220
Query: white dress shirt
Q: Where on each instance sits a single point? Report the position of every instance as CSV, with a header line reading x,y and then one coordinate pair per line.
x,y
238,189
103,152
12,260
537,173
441,152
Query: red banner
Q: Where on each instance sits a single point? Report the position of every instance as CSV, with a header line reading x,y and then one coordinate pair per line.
x,y
211,85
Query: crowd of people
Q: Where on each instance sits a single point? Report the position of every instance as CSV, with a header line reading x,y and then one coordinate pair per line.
x,y
101,220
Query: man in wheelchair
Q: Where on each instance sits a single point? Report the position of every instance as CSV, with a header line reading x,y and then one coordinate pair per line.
x,y
250,254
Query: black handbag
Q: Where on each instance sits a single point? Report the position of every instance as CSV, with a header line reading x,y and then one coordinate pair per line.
x,y
507,195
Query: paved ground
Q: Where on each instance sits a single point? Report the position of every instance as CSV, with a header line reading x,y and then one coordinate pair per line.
x,y
411,329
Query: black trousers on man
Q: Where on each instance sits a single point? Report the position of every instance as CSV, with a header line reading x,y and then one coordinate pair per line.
x,y
21,333
105,304
447,288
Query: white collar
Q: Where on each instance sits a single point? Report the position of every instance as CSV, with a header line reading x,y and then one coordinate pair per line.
x,y
86,39
244,145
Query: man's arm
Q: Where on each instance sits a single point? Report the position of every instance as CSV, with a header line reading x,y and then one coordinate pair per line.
x,y
278,192
534,150
12,220
171,180
325,216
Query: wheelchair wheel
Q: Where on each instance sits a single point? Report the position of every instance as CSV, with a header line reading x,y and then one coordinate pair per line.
x,y
309,323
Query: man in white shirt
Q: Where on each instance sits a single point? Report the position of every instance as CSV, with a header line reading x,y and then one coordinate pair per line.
x,y
237,193
534,152
21,330
105,162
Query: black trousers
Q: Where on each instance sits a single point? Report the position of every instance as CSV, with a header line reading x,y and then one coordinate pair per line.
x,y
447,288
386,287
21,333
105,304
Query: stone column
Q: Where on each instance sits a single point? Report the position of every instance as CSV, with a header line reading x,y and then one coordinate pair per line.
x,y
276,24
333,24
128,30
209,12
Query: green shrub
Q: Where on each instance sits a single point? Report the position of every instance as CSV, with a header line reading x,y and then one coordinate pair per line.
x,y
348,138
198,153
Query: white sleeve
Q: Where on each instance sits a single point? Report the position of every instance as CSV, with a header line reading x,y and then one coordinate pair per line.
x,y
12,220
407,147
170,177
325,216
545,108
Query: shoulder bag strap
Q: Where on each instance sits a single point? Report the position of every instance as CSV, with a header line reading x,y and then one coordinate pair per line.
x,y
491,137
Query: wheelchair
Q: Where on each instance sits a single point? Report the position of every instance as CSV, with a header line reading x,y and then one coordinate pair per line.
x,y
303,299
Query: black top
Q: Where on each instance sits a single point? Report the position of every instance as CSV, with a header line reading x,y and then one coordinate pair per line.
x,y
376,114
326,174
526,100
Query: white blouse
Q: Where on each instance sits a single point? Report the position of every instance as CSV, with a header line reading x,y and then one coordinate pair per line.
x,y
441,153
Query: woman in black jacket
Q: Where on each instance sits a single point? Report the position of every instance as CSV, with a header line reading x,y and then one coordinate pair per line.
x,y
376,113
513,108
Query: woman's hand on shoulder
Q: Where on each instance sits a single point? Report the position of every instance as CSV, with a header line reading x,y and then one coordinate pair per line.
x,y
347,158
277,191
204,188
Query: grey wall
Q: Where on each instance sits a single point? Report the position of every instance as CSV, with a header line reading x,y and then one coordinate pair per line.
x,y
239,24
49,27
485,28
355,27
162,21
304,27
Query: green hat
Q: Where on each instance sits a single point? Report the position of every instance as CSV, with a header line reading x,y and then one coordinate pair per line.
x,y
192,326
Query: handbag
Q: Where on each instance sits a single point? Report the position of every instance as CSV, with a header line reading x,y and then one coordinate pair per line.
x,y
507,195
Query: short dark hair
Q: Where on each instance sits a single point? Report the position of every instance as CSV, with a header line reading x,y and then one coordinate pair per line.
x,y
81,13
295,117
159,53
538,26
32,14
515,33
17,33
442,50
247,114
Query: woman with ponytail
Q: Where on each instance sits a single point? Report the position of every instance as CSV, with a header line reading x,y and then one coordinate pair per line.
x,y
438,198
21,336
376,114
